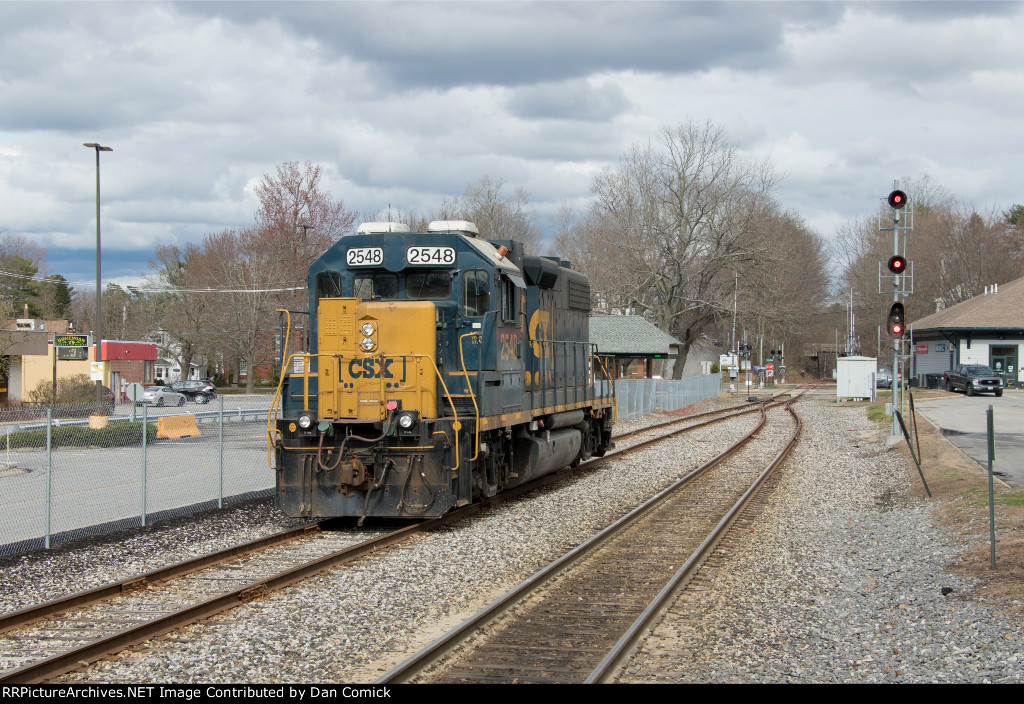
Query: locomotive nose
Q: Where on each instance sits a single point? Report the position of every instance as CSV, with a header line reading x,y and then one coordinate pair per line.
x,y
375,352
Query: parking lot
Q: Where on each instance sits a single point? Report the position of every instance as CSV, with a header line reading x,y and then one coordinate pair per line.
x,y
963,420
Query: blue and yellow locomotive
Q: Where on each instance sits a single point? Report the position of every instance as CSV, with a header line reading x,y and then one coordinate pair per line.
x,y
442,369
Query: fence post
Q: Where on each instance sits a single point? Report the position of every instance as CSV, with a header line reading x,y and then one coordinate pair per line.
x,y
220,447
991,491
145,424
49,449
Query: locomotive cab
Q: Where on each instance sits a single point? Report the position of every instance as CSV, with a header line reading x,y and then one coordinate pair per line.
x,y
442,368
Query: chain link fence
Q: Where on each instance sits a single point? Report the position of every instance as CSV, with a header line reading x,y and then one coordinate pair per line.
x,y
63,480
638,397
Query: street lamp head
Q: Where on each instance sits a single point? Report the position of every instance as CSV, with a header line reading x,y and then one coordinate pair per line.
x,y
97,147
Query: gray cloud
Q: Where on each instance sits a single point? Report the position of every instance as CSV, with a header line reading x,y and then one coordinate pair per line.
x,y
404,103
513,43
569,100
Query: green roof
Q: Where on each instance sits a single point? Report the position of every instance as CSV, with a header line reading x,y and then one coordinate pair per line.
x,y
629,335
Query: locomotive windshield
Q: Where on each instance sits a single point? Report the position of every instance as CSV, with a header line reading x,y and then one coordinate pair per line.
x,y
423,284
428,284
375,285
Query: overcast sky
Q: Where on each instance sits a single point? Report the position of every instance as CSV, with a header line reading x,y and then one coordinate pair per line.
x,y
404,103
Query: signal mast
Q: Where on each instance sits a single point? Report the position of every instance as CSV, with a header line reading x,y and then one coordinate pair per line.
x,y
901,272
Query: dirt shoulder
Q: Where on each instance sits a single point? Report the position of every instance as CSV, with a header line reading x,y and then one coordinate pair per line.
x,y
959,493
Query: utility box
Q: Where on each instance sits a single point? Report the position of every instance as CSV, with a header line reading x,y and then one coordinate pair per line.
x,y
855,378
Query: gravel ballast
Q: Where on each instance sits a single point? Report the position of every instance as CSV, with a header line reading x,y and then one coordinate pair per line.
x,y
841,580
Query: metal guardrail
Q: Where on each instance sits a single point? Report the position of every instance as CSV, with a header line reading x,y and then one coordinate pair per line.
x,y
232,414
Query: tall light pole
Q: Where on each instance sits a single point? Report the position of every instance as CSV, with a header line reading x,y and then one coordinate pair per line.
x,y
98,327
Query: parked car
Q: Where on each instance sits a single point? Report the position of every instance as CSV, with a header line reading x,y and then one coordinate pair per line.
x,y
198,391
974,379
161,396
883,379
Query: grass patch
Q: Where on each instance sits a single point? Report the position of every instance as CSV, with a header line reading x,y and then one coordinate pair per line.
x,y
959,498
117,434
877,414
1005,498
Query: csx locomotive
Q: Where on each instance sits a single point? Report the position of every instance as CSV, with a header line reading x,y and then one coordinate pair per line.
x,y
442,368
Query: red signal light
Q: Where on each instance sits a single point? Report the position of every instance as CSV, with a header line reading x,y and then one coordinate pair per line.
x,y
897,199
896,318
897,264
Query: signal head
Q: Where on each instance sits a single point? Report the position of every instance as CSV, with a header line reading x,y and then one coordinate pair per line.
x,y
896,323
897,264
897,199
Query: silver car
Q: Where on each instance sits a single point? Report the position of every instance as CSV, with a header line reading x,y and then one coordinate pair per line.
x,y
161,396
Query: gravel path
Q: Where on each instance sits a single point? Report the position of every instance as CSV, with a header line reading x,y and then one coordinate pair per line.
x,y
841,580
807,597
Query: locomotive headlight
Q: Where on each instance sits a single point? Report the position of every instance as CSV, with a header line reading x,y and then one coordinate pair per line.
x,y
367,329
367,343
306,420
407,423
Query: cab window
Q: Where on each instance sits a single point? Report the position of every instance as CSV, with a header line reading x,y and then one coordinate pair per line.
x,y
375,285
476,292
508,300
428,284
328,285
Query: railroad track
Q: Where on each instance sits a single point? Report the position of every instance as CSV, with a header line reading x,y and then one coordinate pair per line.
x,y
578,619
44,641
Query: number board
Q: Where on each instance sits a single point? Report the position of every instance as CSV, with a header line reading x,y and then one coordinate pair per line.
x,y
364,256
430,255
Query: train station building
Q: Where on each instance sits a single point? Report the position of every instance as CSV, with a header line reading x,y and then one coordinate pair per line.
x,y
640,348
987,329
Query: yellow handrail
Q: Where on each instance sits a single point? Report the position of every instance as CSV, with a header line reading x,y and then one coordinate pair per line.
x,y
472,396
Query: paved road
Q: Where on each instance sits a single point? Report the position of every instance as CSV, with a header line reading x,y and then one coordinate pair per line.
x,y
964,422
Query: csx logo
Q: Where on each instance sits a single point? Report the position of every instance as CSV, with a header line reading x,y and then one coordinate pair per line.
x,y
373,368
540,329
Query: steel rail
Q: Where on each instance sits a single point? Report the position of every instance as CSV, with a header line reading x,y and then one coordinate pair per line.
x,y
621,651
446,643
31,614
75,658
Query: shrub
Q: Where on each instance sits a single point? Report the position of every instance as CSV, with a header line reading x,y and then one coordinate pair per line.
x,y
70,389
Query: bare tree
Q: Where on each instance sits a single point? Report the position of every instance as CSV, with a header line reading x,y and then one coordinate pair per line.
x,y
498,213
782,297
249,273
20,261
300,217
184,311
674,221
